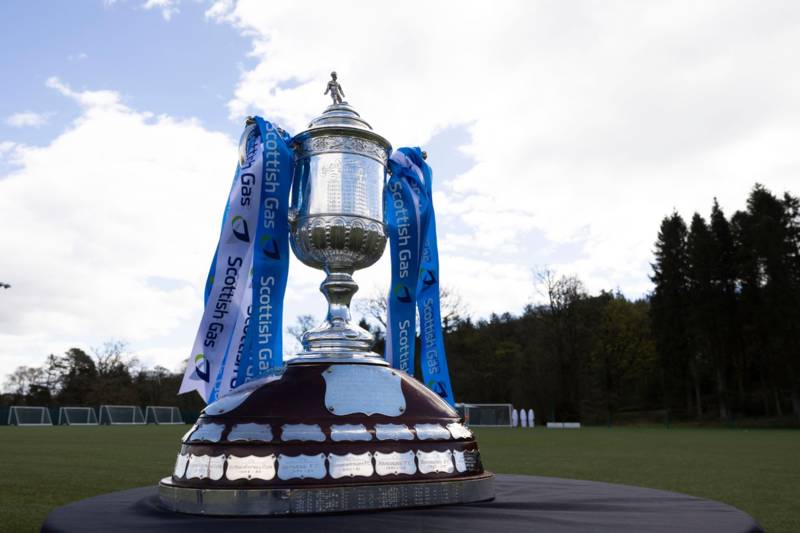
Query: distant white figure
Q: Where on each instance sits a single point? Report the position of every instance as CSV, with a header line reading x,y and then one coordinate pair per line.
x,y
523,418
531,418
514,418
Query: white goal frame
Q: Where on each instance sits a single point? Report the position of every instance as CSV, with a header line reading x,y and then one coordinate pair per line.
x,y
63,416
105,410
45,414
467,406
175,415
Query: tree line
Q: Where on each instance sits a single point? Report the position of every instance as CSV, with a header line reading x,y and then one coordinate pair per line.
x,y
718,338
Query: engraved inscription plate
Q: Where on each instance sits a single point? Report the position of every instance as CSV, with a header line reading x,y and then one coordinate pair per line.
x,y
251,467
207,433
343,432
301,466
198,466
393,432
186,435
431,432
395,463
251,433
350,465
435,462
302,432
458,458
472,460
180,465
459,431
363,389
215,467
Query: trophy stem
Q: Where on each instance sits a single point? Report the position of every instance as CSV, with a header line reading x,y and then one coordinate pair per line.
x,y
338,339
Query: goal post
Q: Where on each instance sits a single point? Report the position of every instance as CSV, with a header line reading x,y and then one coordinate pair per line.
x,y
77,416
162,414
486,414
121,415
29,415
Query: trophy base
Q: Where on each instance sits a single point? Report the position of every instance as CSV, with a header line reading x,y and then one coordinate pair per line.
x,y
324,499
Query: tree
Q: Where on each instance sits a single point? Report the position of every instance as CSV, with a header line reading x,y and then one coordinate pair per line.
x,y
303,324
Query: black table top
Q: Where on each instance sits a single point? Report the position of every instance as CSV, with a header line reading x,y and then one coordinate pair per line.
x,y
523,503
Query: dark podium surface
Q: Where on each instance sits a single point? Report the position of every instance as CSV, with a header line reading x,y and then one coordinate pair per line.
x,y
523,503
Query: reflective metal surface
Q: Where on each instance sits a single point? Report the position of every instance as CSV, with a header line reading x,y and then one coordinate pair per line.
x,y
250,433
349,432
363,389
431,432
301,466
459,431
393,432
358,497
205,467
394,463
251,467
337,222
350,465
180,465
207,433
309,432
435,462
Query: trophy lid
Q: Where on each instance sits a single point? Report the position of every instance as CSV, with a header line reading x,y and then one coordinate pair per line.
x,y
340,115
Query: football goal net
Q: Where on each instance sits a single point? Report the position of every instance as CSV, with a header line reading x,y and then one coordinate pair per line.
x,y
77,416
121,414
486,414
26,415
159,414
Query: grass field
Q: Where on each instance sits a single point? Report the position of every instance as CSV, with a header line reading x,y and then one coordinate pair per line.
x,y
756,470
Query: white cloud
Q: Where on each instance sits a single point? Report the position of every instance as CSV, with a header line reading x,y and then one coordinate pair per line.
x,y
587,125
91,218
168,7
27,119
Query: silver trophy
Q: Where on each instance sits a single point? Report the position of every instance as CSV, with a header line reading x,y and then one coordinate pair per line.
x,y
336,221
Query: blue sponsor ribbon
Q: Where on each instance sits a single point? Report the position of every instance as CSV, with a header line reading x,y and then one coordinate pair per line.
x,y
411,224
263,348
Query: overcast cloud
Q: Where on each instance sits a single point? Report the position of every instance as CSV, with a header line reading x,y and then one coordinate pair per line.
x,y
586,124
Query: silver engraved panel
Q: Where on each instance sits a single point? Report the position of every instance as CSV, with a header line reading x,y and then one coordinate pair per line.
x,y
349,432
301,432
342,143
458,458
435,462
431,432
192,429
250,433
205,466
180,465
394,463
207,433
363,389
301,466
350,465
393,432
459,431
251,467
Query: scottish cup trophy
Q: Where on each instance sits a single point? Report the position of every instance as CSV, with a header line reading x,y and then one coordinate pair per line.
x,y
338,430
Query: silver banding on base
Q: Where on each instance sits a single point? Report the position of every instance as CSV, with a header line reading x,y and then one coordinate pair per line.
x,y
333,499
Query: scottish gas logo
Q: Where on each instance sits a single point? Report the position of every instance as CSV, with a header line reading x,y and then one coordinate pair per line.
x,y
402,293
202,367
269,247
428,277
239,228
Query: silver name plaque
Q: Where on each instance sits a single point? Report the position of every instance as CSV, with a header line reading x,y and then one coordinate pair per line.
x,y
301,466
431,432
363,389
192,429
250,433
459,431
393,432
350,465
207,433
251,467
435,462
458,457
310,432
394,463
180,465
205,466
344,432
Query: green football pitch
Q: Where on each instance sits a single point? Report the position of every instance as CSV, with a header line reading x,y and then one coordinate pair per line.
x,y
757,471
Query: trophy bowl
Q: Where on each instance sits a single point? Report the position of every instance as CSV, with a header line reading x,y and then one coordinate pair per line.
x,y
337,222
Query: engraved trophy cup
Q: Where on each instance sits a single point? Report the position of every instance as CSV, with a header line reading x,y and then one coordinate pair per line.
x,y
338,430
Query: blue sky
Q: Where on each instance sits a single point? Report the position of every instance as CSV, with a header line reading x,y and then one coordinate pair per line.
x,y
560,135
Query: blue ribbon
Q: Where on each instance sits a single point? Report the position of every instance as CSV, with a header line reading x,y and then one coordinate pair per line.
x,y
414,252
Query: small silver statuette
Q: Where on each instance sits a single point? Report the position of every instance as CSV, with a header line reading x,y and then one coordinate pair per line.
x,y
337,94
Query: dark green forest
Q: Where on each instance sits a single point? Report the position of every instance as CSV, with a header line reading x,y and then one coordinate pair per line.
x,y
717,339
